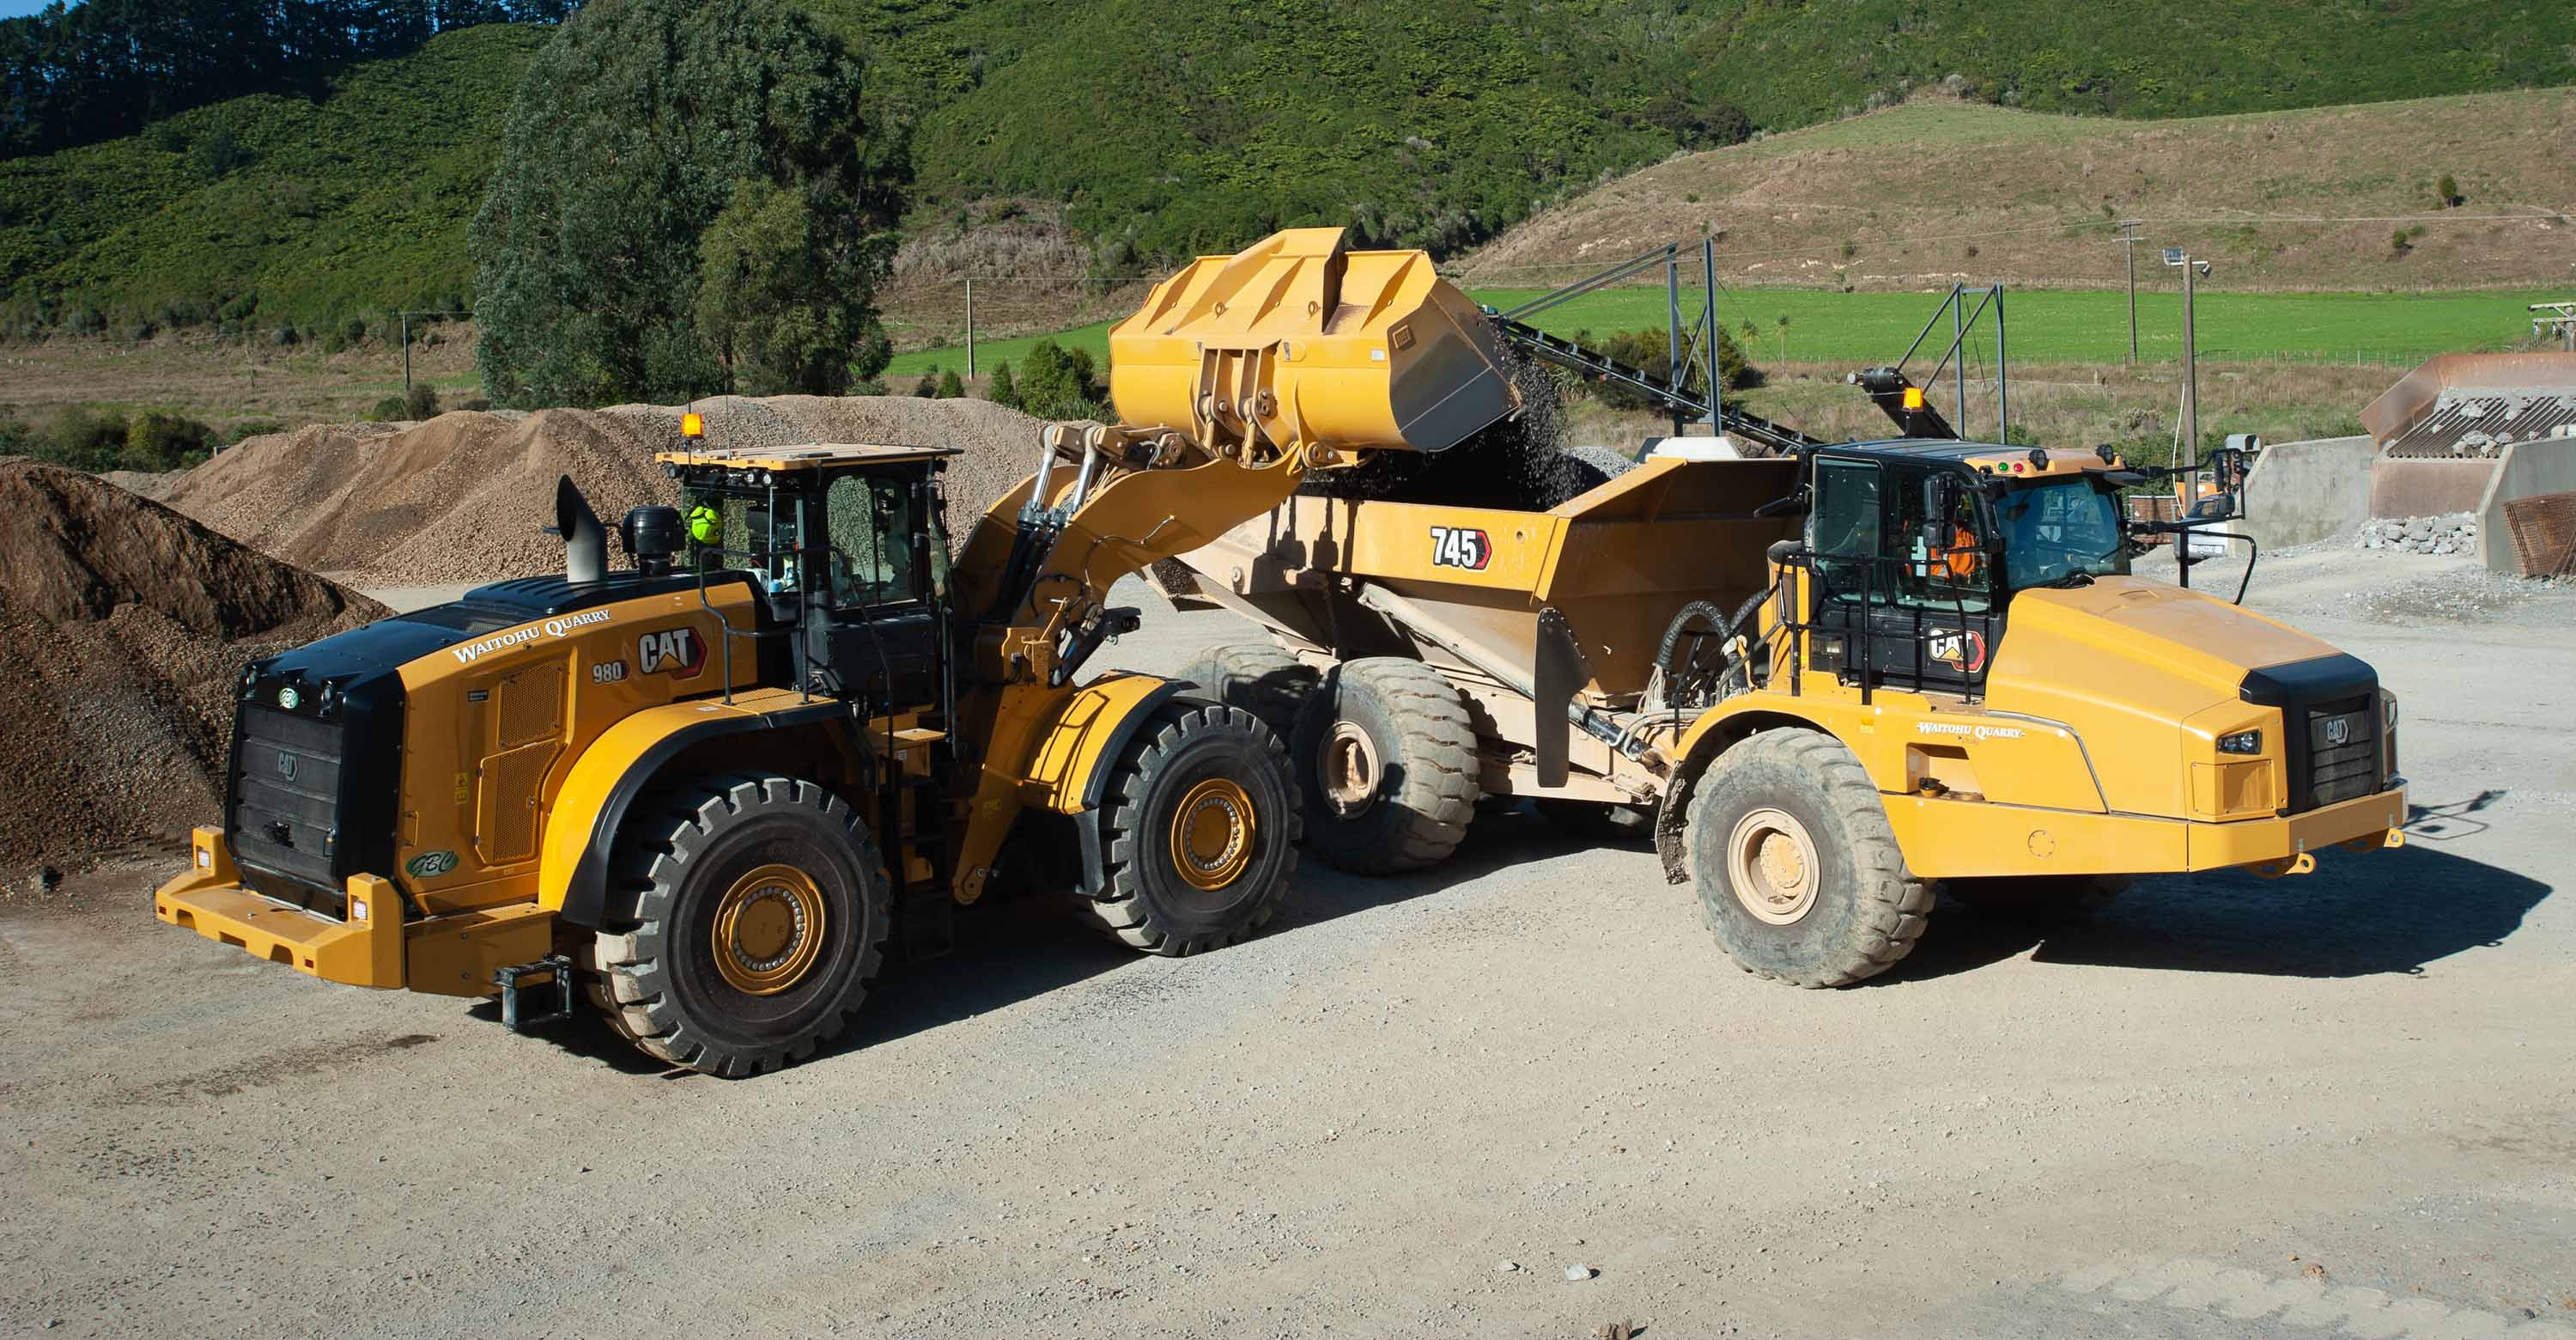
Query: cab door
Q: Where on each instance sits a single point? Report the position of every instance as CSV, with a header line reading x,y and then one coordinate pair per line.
x,y
877,635
1904,578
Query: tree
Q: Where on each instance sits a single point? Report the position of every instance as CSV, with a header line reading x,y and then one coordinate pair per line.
x,y
927,388
2448,188
1059,383
951,386
1000,389
660,147
775,299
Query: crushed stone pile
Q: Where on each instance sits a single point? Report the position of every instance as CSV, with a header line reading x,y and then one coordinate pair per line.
x,y
2456,533
123,625
464,497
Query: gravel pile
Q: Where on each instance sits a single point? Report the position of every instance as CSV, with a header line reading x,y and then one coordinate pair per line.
x,y
464,497
1520,463
122,626
2456,533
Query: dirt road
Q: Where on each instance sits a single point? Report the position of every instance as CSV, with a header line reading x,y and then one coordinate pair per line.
x,y
2338,1105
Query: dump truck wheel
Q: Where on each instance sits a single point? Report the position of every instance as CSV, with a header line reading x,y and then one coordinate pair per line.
x,y
1798,871
1387,756
755,916
1199,832
2042,900
1599,821
1257,677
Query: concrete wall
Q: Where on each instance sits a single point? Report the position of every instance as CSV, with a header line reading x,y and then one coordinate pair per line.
x,y
2545,465
2403,486
2303,492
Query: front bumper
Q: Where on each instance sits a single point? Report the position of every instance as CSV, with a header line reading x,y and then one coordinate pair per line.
x,y
454,955
1955,839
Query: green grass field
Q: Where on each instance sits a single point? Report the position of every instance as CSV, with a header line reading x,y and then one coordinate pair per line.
x,y
2042,325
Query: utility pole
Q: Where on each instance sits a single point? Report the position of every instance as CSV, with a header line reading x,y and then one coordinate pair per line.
x,y
2129,241
406,338
2191,271
970,330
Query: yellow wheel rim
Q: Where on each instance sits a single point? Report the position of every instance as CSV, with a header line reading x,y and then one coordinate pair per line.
x,y
1771,862
769,930
1212,833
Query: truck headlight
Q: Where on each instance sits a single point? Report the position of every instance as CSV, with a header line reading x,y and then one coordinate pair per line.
x,y
2241,742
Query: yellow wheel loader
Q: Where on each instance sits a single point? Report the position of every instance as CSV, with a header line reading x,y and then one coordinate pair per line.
x,y
710,791
1823,681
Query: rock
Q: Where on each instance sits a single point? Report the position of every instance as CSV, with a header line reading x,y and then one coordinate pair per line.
x,y
1580,1272
1507,1268
2419,528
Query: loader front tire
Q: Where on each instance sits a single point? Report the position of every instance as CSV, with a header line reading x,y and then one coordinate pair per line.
x,y
1257,677
754,916
1387,755
1198,832
1798,872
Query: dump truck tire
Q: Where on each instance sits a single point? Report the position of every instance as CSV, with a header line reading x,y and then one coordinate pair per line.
x,y
1257,677
1599,821
2041,900
1798,872
1387,756
755,915
1198,832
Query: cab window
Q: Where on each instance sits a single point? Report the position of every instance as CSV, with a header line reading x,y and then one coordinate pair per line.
x,y
1945,563
872,523
1845,531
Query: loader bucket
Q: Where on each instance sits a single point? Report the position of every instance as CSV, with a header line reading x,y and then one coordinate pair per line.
x,y
1299,342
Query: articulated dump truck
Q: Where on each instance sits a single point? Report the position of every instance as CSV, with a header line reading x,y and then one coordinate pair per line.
x,y
709,791
1824,682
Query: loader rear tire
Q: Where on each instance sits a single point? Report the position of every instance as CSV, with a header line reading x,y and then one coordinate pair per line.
x,y
754,917
2041,900
1198,832
1798,871
1257,677
1387,755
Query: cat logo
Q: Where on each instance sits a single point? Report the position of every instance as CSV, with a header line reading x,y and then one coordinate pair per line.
x,y
1959,648
1461,547
677,652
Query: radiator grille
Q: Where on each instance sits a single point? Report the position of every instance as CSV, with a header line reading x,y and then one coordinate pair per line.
x,y
286,799
2343,750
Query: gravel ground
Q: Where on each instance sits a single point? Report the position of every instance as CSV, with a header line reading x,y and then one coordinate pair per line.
x,y
2337,1105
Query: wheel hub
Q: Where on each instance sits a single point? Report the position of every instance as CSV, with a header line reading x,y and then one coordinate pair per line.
x,y
1212,833
769,930
1771,866
1348,770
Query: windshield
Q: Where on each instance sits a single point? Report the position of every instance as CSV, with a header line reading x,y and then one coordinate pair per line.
x,y
2060,528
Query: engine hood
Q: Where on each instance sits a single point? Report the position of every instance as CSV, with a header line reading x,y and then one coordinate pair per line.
x,y
2138,669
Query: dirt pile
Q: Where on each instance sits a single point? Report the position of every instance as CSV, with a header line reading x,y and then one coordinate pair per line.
x,y
464,497
122,626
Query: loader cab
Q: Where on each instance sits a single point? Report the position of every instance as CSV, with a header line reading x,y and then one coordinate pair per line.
x,y
848,546
1916,549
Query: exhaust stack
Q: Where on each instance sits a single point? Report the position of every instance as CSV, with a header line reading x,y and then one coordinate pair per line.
x,y
585,540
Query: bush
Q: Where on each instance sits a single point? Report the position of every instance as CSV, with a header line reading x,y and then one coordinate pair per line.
x,y
387,410
1000,389
420,402
2448,191
1060,383
85,438
157,442
927,388
951,386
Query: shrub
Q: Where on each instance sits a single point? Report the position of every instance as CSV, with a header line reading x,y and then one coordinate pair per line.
x,y
1060,383
2448,190
420,402
387,410
157,442
927,388
951,386
1000,389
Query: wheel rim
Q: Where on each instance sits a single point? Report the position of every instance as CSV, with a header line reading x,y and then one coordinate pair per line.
x,y
1771,866
1212,833
769,930
1348,769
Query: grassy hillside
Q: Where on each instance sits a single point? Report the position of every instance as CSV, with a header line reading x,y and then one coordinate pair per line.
x,y
1940,191
2044,325
1167,127
311,210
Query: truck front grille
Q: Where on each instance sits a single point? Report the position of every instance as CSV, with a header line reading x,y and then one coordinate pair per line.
x,y
286,799
2342,741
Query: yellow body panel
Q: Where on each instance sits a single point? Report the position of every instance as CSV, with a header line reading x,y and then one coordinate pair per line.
x,y
1952,839
1045,745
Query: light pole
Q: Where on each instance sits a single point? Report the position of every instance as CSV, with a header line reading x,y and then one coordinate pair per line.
x,y
2191,270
